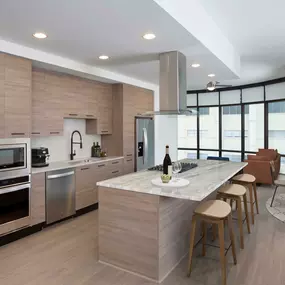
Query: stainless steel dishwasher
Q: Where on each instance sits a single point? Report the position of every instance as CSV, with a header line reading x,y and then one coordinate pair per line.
x,y
60,194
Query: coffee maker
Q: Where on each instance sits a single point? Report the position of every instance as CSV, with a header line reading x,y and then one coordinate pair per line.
x,y
40,156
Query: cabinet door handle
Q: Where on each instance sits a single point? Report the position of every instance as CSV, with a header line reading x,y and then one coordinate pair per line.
x,y
129,160
115,171
17,134
73,114
101,165
116,162
89,115
54,133
84,168
129,155
36,133
104,131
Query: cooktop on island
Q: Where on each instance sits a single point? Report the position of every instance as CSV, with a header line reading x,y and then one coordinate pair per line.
x,y
185,167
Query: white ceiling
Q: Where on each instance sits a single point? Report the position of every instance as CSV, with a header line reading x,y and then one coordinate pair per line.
x,y
256,28
83,30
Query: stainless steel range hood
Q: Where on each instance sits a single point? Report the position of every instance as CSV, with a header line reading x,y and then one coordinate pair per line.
x,y
172,85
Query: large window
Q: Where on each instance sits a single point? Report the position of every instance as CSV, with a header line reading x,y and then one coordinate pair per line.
x,y
254,127
235,122
276,126
231,128
209,126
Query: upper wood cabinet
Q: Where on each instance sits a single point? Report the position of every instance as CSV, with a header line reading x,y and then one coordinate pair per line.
x,y
15,96
128,102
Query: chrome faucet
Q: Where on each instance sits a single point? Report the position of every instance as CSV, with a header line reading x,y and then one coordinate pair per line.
x,y
72,154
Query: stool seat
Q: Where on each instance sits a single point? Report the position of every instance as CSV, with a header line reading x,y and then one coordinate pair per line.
x,y
233,189
246,178
213,209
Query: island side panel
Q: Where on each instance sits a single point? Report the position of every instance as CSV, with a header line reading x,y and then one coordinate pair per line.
x,y
174,232
128,230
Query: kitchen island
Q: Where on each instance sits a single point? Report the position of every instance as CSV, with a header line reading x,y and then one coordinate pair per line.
x,y
145,229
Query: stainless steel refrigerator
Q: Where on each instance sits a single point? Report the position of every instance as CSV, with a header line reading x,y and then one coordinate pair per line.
x,y
144,143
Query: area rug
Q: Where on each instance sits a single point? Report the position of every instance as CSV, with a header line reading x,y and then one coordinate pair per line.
x,y
278,208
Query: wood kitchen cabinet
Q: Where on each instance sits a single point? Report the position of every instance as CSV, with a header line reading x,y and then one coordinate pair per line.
x,y
47,116
2,96
128,102
15,96
38,201
87,176
103,125
86,189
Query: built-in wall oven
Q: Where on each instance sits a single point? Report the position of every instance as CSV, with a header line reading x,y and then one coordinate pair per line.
x,y
14,203
15,157
15,184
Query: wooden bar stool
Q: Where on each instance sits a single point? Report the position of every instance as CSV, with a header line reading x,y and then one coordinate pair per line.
x,y
213,212
248,181
236,192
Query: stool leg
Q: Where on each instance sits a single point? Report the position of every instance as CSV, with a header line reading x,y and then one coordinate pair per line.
x,y
222,251
231,203
255,197
246,213
251,203
204,229
239,209
273,196
230,222
192,238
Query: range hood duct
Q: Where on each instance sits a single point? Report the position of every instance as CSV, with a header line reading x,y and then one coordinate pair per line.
x,y
172,85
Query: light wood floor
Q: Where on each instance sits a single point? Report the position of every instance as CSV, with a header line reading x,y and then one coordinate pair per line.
x,y
66,254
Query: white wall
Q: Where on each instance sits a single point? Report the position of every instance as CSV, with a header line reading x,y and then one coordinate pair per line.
x,y
59,146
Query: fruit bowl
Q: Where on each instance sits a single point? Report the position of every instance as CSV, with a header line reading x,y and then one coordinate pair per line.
x,y
165,178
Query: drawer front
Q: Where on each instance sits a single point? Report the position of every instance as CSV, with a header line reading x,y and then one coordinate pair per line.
x,y
115,163
129,166
115,172
86,198
85,178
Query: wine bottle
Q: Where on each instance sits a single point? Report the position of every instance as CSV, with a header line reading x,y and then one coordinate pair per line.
x,y
167,165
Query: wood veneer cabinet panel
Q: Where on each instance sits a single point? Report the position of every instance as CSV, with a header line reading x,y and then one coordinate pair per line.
x,y
38,199
2,96
17,88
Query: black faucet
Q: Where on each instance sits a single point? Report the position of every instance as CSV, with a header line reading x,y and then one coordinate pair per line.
x,y
72,143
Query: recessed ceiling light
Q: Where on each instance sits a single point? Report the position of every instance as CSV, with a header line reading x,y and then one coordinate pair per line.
x,y
195,65
149,36
104,57
212,75
40,35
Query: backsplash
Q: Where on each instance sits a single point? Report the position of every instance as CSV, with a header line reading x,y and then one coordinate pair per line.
x,y
59,146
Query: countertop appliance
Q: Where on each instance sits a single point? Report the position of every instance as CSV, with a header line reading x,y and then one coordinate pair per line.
x,y
185,167
15,158
144,128
40,156
14,203
60,194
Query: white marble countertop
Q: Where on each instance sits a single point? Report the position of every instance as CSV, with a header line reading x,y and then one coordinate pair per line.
x,y
73,163
203,180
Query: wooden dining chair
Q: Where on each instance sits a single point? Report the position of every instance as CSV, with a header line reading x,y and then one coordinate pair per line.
x,y
276,182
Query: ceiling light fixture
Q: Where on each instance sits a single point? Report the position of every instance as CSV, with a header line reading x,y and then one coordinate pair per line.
x,y
195,65
211,75
103,57
211,86
40,35
149,36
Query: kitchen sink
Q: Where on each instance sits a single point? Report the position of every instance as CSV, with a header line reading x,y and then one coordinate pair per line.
x,y
74,162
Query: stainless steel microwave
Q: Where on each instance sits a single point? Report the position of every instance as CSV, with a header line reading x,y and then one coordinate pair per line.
x,y
15,157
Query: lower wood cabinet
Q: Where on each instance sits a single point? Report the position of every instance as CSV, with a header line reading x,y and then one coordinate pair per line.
x,y
129,165
86,189
38,199
88,176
